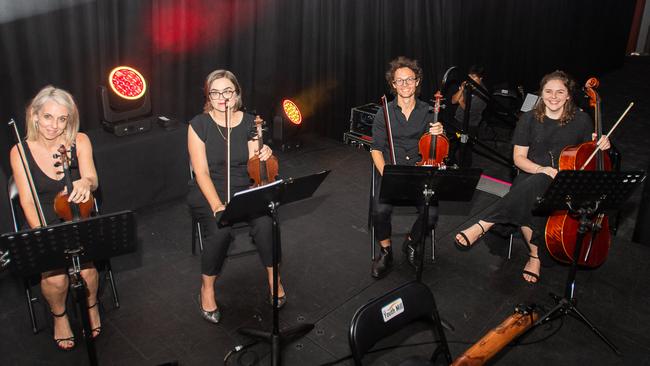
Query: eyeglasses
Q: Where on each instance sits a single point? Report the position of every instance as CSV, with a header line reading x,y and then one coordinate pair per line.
x,y
226,94
407,81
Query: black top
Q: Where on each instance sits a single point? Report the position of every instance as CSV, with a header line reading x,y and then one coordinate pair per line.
x,y
214,137
548,138
406,134
475,112
46,187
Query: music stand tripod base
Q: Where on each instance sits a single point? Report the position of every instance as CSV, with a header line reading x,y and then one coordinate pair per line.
x,y
586,194
262,201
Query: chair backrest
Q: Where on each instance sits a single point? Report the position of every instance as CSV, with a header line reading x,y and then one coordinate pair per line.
x,y
384,316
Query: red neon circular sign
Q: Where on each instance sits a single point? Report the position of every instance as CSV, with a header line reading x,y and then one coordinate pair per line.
x,y
127,82
291,111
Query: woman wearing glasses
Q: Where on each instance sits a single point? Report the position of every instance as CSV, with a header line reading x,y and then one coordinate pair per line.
x,y
207,196
410,118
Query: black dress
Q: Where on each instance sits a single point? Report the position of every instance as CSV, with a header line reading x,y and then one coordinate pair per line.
x,y
545,141
217,240
46,187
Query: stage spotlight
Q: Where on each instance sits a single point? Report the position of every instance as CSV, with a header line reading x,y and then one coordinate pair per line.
x,y
286,126
126,108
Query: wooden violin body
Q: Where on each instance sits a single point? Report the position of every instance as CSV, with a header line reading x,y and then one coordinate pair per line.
x,y
65,210
434,149
262,172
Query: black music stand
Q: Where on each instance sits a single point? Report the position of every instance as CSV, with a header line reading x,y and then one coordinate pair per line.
x,y
403,185
70,244
584,194
266,200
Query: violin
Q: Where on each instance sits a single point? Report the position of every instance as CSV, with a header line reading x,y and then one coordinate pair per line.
x,y
262,172
69,211
434,149
561,228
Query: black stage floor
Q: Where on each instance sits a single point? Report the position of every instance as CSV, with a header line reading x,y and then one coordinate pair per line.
x,y
326,273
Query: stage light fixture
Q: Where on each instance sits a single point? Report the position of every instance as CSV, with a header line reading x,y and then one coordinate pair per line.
x,y
286,126
126,107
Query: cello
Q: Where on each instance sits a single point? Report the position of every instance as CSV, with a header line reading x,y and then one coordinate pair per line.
x,y
262,172
434,149
561,228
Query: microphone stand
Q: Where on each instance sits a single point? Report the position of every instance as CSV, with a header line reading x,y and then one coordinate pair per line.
x,y
228,122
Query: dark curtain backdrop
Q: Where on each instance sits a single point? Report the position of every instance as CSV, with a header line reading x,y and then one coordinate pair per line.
x,y
330,55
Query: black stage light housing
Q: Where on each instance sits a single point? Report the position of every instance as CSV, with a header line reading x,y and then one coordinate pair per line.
x,y
286,126
125,106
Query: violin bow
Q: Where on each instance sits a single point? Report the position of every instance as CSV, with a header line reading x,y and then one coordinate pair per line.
x,y
609,133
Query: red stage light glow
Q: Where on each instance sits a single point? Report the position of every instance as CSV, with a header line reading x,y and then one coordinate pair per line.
x,y
127,82
291,111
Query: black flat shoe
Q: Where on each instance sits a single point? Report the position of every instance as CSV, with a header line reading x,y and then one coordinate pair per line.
x,y
382,264
409,248
282,300
213,316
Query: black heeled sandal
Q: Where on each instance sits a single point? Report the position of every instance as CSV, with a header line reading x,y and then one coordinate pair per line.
x,y
59,341
95,332
531,274
468,244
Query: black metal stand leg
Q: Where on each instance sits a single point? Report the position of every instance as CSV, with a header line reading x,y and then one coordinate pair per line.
x,y
276,337
567,304
79,288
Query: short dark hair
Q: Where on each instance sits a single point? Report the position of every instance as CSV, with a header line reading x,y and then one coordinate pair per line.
x,y
477,70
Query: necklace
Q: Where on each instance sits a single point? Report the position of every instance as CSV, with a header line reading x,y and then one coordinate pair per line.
x,y
221,133
219,128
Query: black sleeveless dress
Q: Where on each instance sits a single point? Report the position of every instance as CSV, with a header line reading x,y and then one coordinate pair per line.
x,y
46,187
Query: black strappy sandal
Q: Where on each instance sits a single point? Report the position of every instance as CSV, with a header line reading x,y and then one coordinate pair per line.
x,y
95,332
534,275
59,341
469,243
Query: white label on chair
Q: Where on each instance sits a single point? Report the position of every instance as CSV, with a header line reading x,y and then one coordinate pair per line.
x,y
392,310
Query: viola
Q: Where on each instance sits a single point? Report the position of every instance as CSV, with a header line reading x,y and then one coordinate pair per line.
x,y
69,211
561,228
262,172
434,149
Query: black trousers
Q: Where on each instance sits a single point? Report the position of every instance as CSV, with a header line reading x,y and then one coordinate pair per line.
x,y
382,215
217,240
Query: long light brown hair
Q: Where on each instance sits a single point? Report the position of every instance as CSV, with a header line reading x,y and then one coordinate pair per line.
x,y
570,107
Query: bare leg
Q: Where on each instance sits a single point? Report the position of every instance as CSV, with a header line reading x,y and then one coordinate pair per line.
x,y
54,287
91,277
473,233
208,301
384,243
269,272
533,265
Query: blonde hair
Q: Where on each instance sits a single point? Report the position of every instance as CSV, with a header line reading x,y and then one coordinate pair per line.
x,y
61,97
218,74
